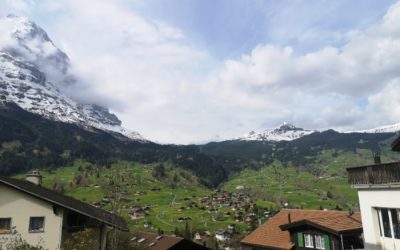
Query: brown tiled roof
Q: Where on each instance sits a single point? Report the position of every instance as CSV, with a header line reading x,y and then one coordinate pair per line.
x,y
335,225
270,235
66,202
163,242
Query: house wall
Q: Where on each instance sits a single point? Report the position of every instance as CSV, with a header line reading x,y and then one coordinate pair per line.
x,y
334,243
369,200
20,207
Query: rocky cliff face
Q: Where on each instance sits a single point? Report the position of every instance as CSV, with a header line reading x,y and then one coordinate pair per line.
x,y
33,72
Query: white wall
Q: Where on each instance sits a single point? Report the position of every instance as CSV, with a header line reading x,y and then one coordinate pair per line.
x,y
20,207
369,200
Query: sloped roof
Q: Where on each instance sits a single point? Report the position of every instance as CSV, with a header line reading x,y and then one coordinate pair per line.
x,y
396,144
162,242
335,225
165,242
270,234
66,202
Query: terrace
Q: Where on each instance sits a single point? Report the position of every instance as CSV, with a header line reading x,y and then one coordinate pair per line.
x,y
378,174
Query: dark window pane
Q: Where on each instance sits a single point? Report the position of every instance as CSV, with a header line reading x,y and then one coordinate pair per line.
x,y
386,223
395,222
5,225
36,224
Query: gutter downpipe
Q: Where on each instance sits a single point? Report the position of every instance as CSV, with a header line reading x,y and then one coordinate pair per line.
x,y
341,240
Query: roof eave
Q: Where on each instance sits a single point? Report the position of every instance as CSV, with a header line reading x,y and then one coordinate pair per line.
x,y
119,227
289,226
267,246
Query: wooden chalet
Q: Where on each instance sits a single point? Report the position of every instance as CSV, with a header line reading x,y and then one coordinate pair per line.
x,y
307,229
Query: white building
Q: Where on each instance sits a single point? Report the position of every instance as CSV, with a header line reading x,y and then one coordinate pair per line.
x,y
42,216
378,189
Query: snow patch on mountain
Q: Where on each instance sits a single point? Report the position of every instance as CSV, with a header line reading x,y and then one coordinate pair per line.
x,y
383,129
33,72
284,132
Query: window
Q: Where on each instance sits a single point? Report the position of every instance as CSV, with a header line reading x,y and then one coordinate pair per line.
x,y
5,225
389,222
395,213
319,242
36,224
308,241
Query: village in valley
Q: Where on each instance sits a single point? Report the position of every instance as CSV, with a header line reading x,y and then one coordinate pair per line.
x,y
211,217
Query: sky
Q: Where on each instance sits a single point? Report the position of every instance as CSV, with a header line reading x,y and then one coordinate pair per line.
x,y
189,71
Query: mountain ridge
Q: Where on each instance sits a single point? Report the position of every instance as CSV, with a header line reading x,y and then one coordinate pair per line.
x,y
289,132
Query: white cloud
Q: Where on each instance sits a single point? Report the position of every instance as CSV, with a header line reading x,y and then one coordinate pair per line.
x,y
145,69
385,104
327,86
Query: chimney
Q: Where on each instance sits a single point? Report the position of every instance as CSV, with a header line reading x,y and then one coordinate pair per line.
x,y
377,158
289,218
34,177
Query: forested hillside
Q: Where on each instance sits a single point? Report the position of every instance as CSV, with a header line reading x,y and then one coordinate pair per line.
x,y
29,141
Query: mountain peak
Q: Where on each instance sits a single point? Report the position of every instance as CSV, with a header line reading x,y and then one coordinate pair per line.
x,y
33,72
288,126
26,40
284,132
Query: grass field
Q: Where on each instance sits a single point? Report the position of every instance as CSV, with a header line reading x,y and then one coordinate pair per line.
x,y
299,189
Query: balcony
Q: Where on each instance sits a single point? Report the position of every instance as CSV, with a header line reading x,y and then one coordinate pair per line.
x,y
378,174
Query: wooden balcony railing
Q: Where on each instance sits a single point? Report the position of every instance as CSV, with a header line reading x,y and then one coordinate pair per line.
x,y
386,173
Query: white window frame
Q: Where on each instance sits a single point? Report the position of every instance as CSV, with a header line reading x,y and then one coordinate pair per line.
x,y
308,241
319,242
380,221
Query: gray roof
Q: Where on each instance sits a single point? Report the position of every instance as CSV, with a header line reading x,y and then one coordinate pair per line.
x,y
66,202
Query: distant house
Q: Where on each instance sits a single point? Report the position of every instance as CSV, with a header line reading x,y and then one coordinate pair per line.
x,y
43,216
152,241
138,212
378,187
307,229
222,235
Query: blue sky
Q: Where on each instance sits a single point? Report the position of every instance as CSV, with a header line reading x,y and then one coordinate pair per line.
x,y
189,71
230,28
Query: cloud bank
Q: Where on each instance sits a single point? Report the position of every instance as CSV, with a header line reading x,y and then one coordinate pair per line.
x,y
345,87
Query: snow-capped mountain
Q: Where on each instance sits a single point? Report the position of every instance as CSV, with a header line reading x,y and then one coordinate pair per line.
x,y
383,129
284,132
33,72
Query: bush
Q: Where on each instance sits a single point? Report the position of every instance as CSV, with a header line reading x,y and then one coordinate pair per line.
x,y
80,240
